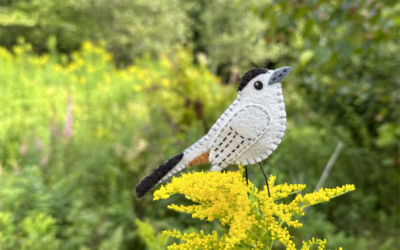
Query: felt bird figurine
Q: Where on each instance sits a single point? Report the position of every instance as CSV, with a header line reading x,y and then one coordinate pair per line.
x,y
246,133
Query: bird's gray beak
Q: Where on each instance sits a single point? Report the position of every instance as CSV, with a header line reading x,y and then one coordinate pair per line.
x,y
279,74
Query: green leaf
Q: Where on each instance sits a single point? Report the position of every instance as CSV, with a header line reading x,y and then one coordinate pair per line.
x,y
305,57
388,134
343,49
322,55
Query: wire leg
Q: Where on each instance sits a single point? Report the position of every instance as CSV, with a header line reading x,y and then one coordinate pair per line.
x,y
266,180
247,177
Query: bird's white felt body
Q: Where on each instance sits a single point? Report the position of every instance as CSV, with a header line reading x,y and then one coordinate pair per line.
x,y
247,132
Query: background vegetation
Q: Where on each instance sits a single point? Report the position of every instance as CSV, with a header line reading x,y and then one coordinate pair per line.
x,y
94,95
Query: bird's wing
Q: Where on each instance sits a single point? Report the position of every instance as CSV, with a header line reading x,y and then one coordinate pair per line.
x,y
237,135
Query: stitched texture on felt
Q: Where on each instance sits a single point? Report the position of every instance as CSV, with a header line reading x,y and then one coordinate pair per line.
x,y
250,75
202,158
261,141
279,74
238,134
270,140
202,145
151,180
269,97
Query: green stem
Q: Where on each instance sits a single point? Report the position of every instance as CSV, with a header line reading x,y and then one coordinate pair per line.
x,y
270,247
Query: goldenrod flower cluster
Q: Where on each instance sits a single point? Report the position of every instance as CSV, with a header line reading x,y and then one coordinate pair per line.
x,y
255,220
321,244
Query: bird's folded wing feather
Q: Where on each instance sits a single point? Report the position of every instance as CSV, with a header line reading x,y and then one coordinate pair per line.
x,y
238,134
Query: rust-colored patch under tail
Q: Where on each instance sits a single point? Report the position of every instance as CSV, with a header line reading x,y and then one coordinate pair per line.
x,y
203,158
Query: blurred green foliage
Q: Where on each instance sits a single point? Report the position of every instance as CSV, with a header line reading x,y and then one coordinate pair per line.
x,y
146,232
33,232
80,134
129,27
82,122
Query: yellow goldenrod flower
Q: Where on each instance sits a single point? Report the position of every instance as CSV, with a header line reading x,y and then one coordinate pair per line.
x,y
255,220
71,66
165,82
87,45
57,67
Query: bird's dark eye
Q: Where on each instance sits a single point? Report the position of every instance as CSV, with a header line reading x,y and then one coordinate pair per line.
x,y
258,85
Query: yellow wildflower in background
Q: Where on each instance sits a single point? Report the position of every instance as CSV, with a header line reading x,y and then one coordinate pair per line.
x,y
255,220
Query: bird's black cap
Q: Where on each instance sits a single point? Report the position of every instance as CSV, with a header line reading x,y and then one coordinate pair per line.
x,y
250,75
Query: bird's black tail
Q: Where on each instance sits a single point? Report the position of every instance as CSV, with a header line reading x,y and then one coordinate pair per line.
x,y
151,180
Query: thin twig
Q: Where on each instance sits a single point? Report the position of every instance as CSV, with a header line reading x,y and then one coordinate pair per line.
x,y
329,166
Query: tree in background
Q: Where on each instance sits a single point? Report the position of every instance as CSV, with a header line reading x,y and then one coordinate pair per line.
x,y
129,28
230,34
